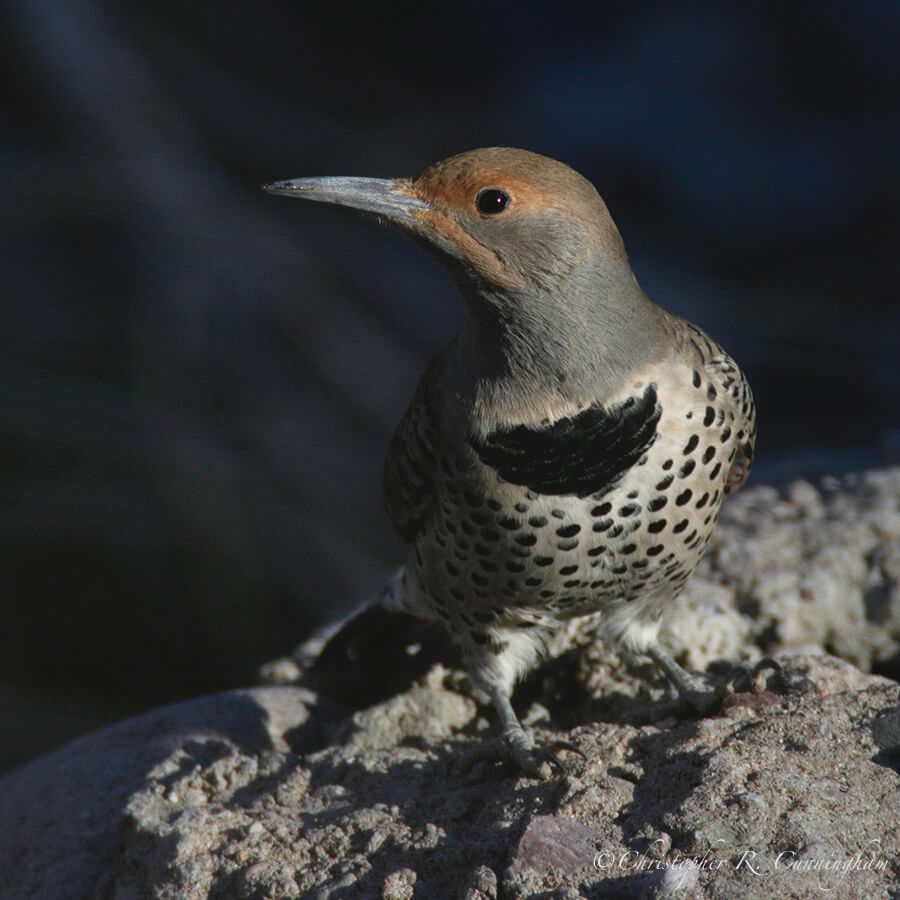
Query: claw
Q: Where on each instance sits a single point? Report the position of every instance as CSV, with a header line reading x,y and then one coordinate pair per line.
x,y
519,748
557,746
752,674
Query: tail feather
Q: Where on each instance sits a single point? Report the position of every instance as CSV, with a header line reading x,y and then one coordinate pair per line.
x,y
378,652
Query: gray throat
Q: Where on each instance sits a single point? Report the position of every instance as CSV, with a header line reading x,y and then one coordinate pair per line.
x,y
581,343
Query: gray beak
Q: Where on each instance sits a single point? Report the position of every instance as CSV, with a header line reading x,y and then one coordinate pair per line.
x,y
385,197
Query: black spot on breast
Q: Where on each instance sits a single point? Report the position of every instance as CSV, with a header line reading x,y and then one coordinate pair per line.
x,y
601,510
526,540
715,470
629,509
480,580
684,497
615,531
537,521
725,435
484,617
702,501
568,570
602,525
557,514
691,445
628,549
582,454
531,581
657,503
680,526
493,504
490,535
568,530
667,465
481,550
521,552
708,454
710,416
687,468
696,379
521,507
657,526
543,560
662,485
487,565
514,567
479,518
508,522
568,544
710,392
655,550
596,551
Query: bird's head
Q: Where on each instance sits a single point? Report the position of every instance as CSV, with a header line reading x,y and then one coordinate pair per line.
x,y
502,219
534,250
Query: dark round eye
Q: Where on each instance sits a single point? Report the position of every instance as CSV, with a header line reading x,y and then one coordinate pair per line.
x,y
491,201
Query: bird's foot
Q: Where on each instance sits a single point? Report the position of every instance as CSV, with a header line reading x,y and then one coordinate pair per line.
x,y
742,678
519,748
531,759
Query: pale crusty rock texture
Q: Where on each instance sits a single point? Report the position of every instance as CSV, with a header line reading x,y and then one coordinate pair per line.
x,y
277,792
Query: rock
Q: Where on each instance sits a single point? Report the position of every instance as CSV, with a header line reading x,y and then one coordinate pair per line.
x,y
60,815
277,792
206,800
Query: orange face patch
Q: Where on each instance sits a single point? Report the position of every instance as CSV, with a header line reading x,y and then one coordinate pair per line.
x,y
448,234
458,190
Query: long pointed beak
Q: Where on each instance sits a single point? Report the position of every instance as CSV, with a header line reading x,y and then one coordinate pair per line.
x,y
383,196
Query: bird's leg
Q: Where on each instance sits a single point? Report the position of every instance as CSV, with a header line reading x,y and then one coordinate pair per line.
x,y
519,744
701,696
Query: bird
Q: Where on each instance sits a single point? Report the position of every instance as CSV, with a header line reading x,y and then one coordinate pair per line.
x,y
568,452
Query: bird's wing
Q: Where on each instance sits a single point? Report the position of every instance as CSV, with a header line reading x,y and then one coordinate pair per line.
x,y
735,386
585,454
412,459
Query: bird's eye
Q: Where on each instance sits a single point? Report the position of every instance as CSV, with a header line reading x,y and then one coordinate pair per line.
x,y
491,201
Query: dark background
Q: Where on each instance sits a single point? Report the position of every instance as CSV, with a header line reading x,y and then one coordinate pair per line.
x,y
198,381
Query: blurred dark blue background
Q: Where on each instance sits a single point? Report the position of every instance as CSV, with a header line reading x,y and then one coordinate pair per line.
x,y
198,381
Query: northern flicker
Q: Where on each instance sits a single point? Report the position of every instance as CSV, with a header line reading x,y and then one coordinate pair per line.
x,y
568,452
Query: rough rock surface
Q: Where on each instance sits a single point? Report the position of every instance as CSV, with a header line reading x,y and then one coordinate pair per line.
x,y
792,790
